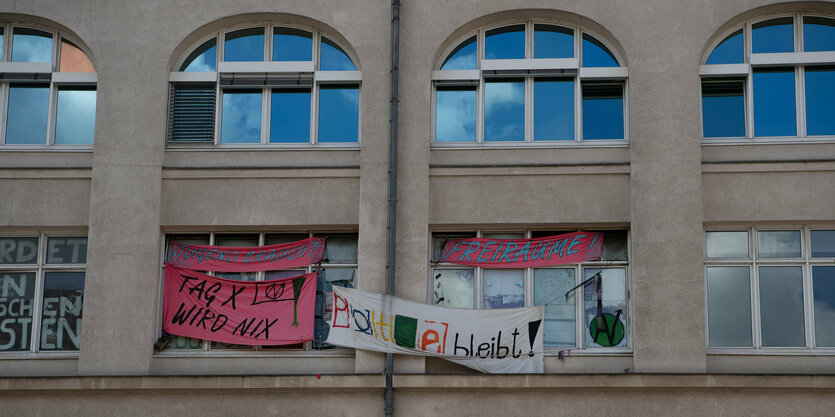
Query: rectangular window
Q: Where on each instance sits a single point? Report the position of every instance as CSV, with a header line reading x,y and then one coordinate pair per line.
x,y
339,109
602,111
290,116
28,110
468,287
41,292
504,110
760,298
455,114
774,102
820,100
76,118
553,117
240,121
723,109
338,268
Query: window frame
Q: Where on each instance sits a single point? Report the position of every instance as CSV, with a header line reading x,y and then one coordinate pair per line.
x,y
530,69
206,349
302,70
797,60
753,262
41,268
580,347
17,73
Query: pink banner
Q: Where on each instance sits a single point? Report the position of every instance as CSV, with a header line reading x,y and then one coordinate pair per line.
x,y
262,258
278,312
567,248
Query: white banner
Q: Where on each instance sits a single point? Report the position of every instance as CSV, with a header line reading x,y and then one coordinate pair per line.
x,y
493,341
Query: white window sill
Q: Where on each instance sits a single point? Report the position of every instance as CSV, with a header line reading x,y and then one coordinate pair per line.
x,y
39,355
772,351
599,143
767,140
203,147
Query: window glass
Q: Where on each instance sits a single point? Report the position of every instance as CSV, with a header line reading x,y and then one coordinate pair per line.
x,y
241,118
201,239
823,243
504,235
723,109
75,119
504,108
818,34
595,54
778,244
455,114
292,45
611,330
726,244
781,306
63,294
74,59
244,45
454,287
504,288
775,35
239,241
27,113
340,276
204,58
463,57
550,286
17,300
283,238
553,42
339,113
333,58
729,51
553,117
824,295
729,306
820,100
505,43
774,102
18,250
66,250
341,249
602,111
439,239
31,45
614,246
2,39
290,116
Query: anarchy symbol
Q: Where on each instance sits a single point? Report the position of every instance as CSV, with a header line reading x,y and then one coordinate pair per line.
x,y
274,291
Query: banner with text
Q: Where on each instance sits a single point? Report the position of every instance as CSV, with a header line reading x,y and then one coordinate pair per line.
x,y
278,312
493,341
248,259
567,248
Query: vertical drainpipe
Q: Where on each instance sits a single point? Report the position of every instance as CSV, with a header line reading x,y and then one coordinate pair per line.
x,y
392,217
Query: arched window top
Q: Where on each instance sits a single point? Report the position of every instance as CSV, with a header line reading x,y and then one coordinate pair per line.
x,y
268,43
530,40
47,88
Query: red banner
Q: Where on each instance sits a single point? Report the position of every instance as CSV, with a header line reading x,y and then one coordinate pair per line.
x,y
262,258
278,312
568,248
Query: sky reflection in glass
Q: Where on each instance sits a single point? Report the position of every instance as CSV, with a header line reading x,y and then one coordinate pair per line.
x,y
455,114
505,43
824,295
818,34
553,117
30,45
723,109
76,116
553,42
2,39
504,108
602,111
27,113
774,102
728,306
726,244
339,113
595,54
778,244
333,58
823,243
244,45
292,45
241,119
290,116
820,100
775,35
781,306
463,57
202,59
730,51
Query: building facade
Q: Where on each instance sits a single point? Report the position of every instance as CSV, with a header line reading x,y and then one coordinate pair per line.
x,y
698,136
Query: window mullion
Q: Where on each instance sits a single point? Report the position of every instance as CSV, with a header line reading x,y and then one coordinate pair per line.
x,y
529,110
480,117
314,113
4,101
52,116
266,94
800,98
578,109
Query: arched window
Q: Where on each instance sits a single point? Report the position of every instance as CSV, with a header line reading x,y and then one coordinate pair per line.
x,y
265,85
771,79
47,89
530,81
